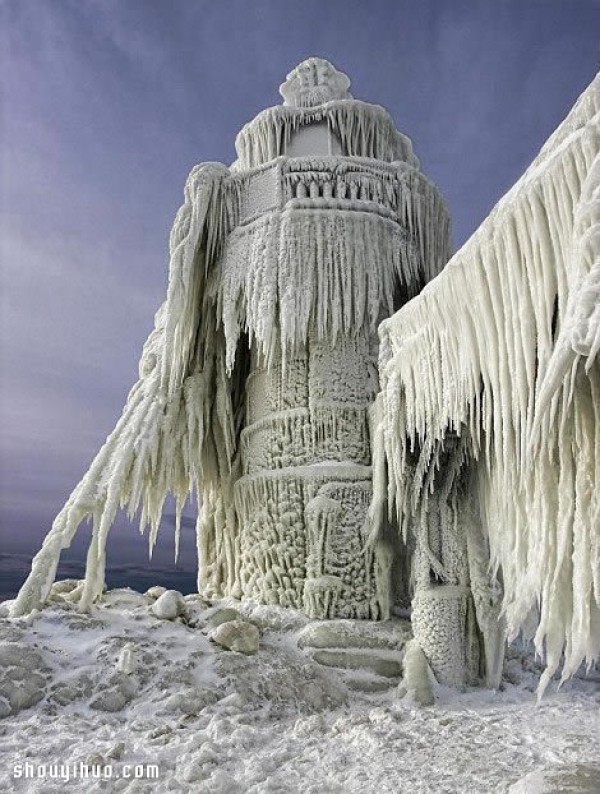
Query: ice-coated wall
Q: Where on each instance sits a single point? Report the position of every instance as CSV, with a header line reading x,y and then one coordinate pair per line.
x,y
487,440
306,486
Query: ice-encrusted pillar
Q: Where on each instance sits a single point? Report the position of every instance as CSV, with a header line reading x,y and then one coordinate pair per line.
x,y
306,487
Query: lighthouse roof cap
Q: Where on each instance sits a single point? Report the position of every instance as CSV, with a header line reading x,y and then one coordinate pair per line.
x,y
313,82
316,92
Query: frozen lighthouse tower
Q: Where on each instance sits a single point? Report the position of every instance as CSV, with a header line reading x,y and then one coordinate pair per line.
x,y
345,460
346,227
257,382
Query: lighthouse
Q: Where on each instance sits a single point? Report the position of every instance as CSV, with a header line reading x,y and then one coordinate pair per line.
x,y
338,227
257,383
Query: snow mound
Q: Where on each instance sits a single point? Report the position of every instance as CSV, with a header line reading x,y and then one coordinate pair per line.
x,y
121,686
563,779
236,635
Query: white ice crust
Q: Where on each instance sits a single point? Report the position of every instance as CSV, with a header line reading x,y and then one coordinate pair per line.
x,y
494,368
257,389
256,382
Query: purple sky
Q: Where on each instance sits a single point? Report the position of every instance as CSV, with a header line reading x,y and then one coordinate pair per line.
x,y
108,104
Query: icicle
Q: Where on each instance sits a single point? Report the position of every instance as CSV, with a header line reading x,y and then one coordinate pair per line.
x,y
281,270
483,352
142,458
364,130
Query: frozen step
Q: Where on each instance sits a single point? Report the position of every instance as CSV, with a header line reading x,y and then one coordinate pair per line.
x,y
389,634
370,684
381,662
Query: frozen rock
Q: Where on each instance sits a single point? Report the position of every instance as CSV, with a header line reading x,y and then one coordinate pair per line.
x,y
370,684
191,700
22,689
232,704
561,779
113,699
79,687
5,707
281,679
276,618
23,677
196,601
417,681
156,591
218,615
125,598
355,634
221,782
308,726
237,635
65,591
95,760
378,663
64,586
115,693
195,615
169,605
116,751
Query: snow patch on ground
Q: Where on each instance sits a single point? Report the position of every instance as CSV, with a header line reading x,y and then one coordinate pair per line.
x,y
122,686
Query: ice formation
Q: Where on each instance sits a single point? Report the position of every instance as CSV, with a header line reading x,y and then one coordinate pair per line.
x,y
256,383
469,484
488,421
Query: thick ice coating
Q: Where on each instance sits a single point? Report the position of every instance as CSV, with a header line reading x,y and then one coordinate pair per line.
x,y
495,365
470,484
256,383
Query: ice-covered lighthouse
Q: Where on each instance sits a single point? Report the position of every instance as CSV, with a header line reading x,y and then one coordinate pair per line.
x,y
257,382
340,227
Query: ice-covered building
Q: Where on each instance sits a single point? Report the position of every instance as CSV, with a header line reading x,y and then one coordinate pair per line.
x,y
488,433
256,384
470,485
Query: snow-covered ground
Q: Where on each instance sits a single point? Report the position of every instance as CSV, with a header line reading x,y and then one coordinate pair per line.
x,y
124,687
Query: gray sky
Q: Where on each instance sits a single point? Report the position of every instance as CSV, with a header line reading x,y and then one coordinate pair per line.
x,y
108,105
